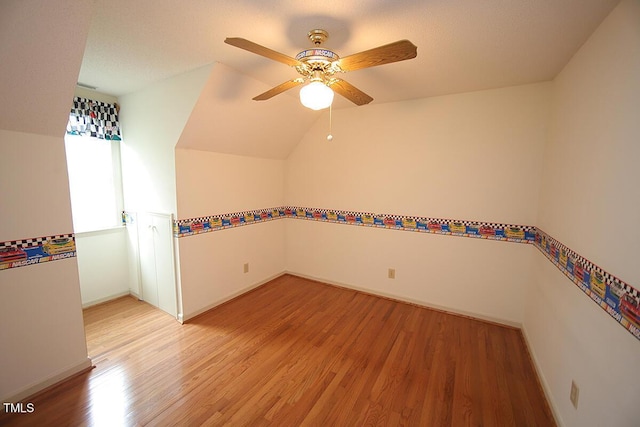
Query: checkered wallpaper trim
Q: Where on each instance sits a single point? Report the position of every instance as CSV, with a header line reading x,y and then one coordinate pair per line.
x,y
36,250
206,224
619,299
465,228
35,241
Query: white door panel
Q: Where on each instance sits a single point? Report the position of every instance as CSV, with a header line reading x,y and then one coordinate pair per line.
x,y
157,270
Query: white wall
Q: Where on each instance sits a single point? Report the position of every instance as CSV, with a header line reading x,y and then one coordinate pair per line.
x,y
212,263
103,265
590,201
35,190
42,335
216,183
473,156
469,156
482,278
152,121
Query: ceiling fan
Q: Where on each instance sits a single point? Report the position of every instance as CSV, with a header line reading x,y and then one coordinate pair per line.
x,y
319,67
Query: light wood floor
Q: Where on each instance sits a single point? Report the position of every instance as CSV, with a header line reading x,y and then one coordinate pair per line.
x,y
296,352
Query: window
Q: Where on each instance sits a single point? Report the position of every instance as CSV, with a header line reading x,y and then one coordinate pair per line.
x,y
93,163
95,182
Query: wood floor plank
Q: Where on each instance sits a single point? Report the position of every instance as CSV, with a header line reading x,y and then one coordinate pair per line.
x,y
295,352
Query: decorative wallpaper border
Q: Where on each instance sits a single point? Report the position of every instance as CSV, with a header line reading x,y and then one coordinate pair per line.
x,y
474,229
619,299
192,226
20,253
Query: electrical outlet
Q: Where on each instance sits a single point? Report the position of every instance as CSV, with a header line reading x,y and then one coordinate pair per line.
x,y
392,273
246,267
573,395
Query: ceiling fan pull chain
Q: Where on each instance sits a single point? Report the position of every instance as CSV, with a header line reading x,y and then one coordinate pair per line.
x,y
330,137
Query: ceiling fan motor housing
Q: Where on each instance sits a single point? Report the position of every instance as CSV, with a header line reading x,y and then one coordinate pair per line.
x,y
317,60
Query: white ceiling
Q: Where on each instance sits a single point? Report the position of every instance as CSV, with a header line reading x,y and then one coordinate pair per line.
x,y
463,45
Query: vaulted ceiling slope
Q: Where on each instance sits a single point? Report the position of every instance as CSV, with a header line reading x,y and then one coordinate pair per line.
x,y
463,45
41,47
226,120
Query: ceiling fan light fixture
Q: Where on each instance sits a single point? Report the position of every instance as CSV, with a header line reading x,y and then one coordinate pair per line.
x,y
316,95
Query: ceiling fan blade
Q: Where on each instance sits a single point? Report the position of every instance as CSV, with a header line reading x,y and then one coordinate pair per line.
x,y
393,52
278,89
261,50
350,92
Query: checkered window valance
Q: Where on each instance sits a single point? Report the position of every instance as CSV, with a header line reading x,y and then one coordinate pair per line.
x,y
95,119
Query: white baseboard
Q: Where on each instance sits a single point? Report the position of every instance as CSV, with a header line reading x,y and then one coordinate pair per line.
x,y
412,301
49,381
187,317
105,299
545,385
